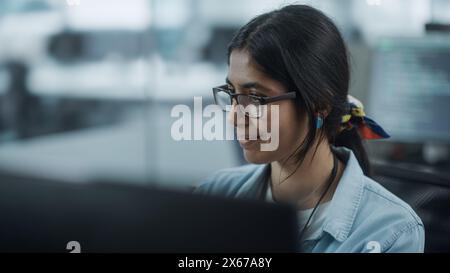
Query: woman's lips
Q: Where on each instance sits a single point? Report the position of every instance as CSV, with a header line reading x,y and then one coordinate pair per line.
x,y
248,144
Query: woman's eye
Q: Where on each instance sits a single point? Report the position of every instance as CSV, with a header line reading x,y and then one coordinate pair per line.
x,y
257,94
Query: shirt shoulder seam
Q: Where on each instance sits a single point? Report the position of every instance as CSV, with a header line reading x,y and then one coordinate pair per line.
x,y
405,208
408,227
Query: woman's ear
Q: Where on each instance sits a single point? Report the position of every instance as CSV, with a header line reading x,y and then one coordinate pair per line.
x,y
323,113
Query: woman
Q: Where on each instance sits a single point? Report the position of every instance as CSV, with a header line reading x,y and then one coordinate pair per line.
x,y
297,58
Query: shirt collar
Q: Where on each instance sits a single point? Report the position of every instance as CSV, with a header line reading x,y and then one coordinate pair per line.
x,y
346,199
255,186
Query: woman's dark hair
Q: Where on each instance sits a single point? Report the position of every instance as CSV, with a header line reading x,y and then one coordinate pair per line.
x,y
301,47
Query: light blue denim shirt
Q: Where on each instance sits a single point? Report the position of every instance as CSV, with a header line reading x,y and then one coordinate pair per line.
x,y
362,215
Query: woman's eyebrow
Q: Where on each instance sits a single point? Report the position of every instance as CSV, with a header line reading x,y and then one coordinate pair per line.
x,y
248,85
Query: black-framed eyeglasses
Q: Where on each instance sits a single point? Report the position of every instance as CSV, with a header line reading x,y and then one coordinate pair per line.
x,y
224,97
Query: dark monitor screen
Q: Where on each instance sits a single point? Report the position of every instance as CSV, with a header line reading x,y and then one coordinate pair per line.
x,y
52,216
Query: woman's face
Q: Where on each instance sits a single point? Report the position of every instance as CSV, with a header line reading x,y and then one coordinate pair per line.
x,y
245,78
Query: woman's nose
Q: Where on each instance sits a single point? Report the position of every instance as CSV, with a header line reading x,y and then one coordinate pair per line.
x,y
238,120
232,114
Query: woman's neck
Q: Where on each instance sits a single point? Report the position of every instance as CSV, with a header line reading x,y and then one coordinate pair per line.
x,y
304,184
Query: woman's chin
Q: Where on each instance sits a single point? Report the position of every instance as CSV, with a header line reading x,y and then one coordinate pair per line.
x,y
253,153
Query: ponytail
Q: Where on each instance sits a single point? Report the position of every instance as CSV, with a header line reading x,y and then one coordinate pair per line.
x,y
352,140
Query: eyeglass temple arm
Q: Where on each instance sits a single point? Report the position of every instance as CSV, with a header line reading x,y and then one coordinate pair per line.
x,y
288,96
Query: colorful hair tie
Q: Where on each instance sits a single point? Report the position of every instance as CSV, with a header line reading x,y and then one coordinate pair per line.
x,y
356,117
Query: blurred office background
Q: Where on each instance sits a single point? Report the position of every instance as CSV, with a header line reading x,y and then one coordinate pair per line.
x,y
87,86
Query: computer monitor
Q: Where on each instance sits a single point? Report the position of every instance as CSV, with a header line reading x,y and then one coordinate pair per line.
x,y
52,216
409,93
